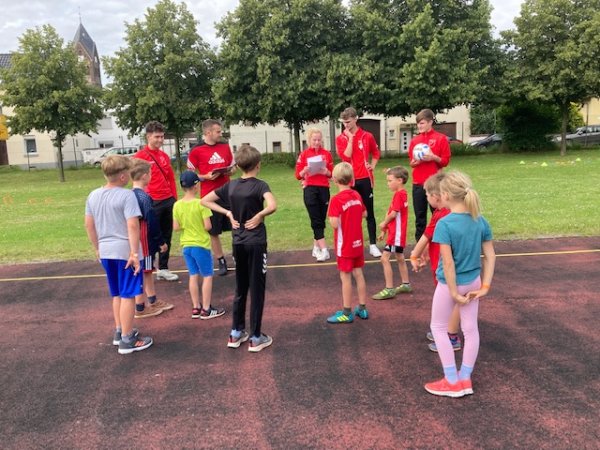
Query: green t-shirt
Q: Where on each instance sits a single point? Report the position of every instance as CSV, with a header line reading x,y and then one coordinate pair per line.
x,y
190,216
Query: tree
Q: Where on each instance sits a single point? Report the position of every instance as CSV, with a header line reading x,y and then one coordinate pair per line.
x,y
165,73
555,51
48,89
277,61
422,54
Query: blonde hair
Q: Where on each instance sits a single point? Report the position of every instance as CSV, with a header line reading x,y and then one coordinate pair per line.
x,y
343,173
114,165
460,188
398,172
348,113
312,131
432,184
139,168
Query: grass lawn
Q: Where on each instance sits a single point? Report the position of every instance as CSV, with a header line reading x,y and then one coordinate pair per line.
x,y
523,196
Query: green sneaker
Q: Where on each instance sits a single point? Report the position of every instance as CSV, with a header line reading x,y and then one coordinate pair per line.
x,y
404,288
385,294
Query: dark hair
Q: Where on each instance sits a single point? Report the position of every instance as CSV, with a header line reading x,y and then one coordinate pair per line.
x,y
209,123
247,158
154,126
425,114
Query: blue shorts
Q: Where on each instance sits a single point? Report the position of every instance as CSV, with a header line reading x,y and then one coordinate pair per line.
x,y
121,281
198,261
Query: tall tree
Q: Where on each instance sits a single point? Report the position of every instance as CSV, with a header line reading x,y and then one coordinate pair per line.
x,y
165,73
48,89
422,54
555,50
275,62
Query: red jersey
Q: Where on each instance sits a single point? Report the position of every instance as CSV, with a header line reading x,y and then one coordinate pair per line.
x,y
364,148
162,182
438,143
396,229
205,158
434,247
317,179
348,207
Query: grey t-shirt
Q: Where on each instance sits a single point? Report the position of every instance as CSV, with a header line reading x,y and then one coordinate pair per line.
x,y
110,208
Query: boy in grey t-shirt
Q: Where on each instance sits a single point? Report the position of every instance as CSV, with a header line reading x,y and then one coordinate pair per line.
x,y
112,224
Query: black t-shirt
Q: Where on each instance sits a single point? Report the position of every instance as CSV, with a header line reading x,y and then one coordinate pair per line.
x,y
246,198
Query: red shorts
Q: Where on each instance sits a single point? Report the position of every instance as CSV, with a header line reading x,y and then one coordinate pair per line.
x,y
349,264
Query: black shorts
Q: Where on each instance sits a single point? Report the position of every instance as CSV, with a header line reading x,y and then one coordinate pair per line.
x,y
219,221
393,248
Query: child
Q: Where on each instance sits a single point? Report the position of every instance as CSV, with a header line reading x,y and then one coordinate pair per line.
x,y
394,225
112,224
193,220
418,258
315,184
346,212
246,197
151,240
462,278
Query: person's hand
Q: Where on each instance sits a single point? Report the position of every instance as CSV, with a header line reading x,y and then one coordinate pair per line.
x,y
383,226
348,134
134,262
478,293
211,175
234,223
416,264
414,162
303,172
254,222
163,248
462,299
368,166
381,236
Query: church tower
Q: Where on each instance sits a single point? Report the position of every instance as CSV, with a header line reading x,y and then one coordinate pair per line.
x,y
86,50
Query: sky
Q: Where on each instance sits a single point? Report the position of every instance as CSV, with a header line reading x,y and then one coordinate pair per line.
x,y
105,19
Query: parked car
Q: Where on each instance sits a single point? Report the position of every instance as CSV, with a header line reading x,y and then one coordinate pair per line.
x,y
126,151
492,139
588,135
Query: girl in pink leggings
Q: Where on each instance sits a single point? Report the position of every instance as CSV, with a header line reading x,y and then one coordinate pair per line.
x,y
464,277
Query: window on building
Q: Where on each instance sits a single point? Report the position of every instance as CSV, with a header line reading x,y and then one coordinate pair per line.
x,y
30,145
276,147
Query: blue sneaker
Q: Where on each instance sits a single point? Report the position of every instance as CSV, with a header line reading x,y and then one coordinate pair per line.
x,y
456,345
340,317
362,313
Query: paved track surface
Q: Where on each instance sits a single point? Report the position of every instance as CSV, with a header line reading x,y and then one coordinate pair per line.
x,y
319,386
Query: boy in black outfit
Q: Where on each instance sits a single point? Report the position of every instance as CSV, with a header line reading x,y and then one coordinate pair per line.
x,y
247,197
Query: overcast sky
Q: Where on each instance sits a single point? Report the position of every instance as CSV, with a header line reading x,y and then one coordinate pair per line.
x,y
104,20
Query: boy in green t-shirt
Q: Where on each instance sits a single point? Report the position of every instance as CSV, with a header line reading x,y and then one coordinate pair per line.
x,y
193,220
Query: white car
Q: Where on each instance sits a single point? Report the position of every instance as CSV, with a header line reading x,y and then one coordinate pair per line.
x,y
126,151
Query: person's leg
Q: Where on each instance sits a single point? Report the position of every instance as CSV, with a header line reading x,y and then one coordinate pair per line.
x,y
441,309
420,209
242,283
470,328
164,215
361,285
454,323
194,287
207,283
364,188
322,213
402,268
126,313
216,247
388,274
346,278
116,307
258,282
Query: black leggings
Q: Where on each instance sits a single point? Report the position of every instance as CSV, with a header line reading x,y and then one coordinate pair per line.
x,y
163,210
316,200
420,206
365,189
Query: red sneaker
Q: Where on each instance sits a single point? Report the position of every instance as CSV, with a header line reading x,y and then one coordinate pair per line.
x,y
445,389
467,386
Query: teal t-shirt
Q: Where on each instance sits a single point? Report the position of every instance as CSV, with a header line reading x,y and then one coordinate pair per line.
x,y
465,236
190,216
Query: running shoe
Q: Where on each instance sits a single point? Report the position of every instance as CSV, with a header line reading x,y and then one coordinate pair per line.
x,y
340,317
233,342
404,288
362,313
165,306
211,313
456,345
166,274
385,294
323,255
137,344
148,311
444,388
467,386
196,313
117,336
374,251
222,270
259,343
430,336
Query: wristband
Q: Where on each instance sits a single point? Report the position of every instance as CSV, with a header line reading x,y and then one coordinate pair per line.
x,y
485,286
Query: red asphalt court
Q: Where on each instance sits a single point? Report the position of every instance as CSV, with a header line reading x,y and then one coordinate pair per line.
x,y
319,386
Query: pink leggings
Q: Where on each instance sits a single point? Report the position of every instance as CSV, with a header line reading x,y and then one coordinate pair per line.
x,y
441,309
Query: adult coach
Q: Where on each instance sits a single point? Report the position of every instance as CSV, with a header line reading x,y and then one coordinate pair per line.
x,y
213,161
162,189
429,165
359,148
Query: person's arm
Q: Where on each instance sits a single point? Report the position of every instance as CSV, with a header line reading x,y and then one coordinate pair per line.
x,y
487,270
334,222
90,228
176,226
301,167
450,273
210,201
133,233
417,251
374,151
270,208
207,224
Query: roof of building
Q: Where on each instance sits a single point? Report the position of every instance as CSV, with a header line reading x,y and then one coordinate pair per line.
x,y
84,38
5,59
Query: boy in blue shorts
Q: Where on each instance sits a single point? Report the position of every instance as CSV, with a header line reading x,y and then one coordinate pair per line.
x,y
112,224
193,220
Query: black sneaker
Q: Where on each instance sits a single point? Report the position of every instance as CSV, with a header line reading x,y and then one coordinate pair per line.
x,y
222,270
211,313
137,344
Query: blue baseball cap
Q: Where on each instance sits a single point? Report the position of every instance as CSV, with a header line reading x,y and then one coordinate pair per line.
x,y
188,179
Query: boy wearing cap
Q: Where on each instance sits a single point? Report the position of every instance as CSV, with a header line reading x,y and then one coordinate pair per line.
x,y
193,220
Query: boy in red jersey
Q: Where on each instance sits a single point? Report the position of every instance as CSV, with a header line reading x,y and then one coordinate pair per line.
x,y
394,225
346,212
418,257
430,164
213,161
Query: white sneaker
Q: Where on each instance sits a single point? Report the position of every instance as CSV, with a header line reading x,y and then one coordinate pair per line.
x,y
315,252
323,255
166,274
374,251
